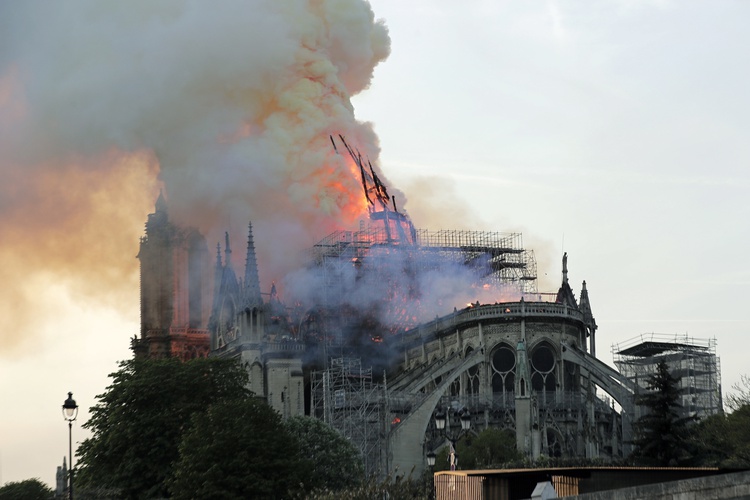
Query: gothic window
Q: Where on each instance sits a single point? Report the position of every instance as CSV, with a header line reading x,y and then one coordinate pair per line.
x,y
503,363
543,368
554,443
472,377
455,387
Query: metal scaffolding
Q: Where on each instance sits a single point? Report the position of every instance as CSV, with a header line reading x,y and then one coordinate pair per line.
x,y
345,397
694,361
493,260
498,257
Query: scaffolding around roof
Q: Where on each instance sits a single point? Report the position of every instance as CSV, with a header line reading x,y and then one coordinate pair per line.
x,y
497,257
693,360
345,397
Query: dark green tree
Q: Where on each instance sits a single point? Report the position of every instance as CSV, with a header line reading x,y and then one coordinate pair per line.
x,y
661,434
491,448
28,489
738,438
723,440
237,449
138,422
333,461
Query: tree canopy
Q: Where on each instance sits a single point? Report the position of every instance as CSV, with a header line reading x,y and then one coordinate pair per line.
x,y
723,440
741,395
237,449
333,461
28,489
491,448
661,434
137,424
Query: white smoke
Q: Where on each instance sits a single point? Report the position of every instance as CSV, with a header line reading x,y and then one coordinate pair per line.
x,y
398,286
233,101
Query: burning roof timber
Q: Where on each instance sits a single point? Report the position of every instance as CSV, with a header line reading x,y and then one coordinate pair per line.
x,y
400,275
498,256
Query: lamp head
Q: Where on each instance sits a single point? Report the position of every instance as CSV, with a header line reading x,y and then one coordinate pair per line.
x,y
466,420
440,418
70,408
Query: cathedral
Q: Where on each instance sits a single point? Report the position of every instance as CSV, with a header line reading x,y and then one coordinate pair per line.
x,y
526,365
384,346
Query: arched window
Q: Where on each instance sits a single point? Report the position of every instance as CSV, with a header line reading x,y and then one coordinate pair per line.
x,y
543,363
553,443
503,365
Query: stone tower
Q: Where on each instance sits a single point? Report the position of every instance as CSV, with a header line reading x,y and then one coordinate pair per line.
x,y
175,291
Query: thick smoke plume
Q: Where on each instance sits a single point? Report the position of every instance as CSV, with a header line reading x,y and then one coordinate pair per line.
x,y
227,106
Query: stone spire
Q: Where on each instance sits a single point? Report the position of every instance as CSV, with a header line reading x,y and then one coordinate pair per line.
x,y
588,317
161,202
158,221
218,271
585,304
565,294
227,251
252,281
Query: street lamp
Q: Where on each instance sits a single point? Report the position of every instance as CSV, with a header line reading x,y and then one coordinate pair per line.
x,y
443,424
431,478
70,412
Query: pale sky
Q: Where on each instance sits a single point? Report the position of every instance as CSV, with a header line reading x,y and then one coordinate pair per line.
x,y
613,131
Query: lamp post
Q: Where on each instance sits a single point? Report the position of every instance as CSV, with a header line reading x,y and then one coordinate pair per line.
x,y
70,412
431,482
431,459
443,420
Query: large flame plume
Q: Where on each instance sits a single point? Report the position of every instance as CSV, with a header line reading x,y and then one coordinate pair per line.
x,y
228,107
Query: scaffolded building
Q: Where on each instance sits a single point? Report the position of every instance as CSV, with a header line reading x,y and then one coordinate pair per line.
x,y
345,397
497,257
379,351
694,361
369,256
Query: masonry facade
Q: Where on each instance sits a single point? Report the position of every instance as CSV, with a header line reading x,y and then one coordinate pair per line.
x,y
527,366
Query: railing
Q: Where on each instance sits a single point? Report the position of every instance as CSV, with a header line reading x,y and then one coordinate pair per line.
x,y
490,311
283,347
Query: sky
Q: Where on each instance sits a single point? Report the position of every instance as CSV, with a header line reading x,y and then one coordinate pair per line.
x,y
612,131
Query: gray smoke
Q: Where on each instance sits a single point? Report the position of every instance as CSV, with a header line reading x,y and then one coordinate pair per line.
x,y
227,106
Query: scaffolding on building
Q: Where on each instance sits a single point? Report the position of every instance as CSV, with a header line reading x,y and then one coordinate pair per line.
x,y
694,361
493,260
499,257
345,397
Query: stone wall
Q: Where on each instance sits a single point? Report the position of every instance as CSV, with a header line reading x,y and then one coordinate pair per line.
x,y
733,485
